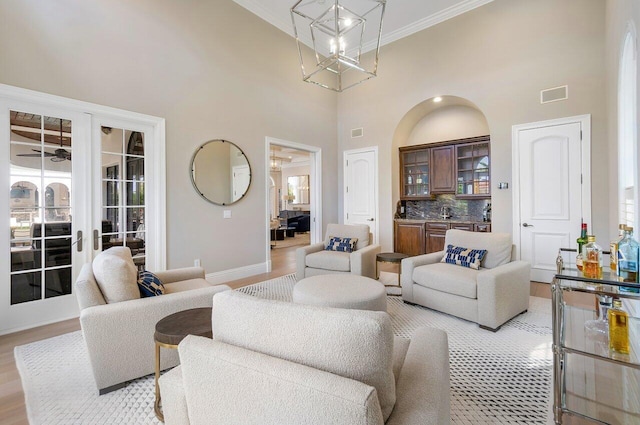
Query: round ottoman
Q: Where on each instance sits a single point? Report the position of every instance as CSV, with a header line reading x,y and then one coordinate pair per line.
x,y
341,291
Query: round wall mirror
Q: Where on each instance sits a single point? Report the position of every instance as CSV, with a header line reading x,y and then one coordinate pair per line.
x,y
220,172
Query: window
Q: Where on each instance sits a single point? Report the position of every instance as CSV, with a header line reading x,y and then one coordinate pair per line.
x,y
627,134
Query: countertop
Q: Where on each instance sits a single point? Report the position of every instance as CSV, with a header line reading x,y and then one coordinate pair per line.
x,y
461,220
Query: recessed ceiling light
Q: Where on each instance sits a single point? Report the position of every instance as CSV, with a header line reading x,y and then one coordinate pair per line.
x,y
437,99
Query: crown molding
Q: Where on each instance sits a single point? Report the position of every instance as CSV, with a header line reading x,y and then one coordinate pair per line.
x,y
262,11
427,22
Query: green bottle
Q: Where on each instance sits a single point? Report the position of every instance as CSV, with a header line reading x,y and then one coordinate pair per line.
x,y
582,240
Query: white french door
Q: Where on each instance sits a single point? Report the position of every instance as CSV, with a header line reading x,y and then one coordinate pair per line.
x,y
44,247
125,190
79,179
361,188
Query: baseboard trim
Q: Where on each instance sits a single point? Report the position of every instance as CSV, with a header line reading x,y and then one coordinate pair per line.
x,y
237,273
38,324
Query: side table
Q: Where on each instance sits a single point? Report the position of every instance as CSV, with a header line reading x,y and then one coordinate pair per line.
x,y
173,329
390,257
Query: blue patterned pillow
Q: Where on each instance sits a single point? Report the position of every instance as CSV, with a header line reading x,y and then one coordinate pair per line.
x,y
341,244
465,257
149,284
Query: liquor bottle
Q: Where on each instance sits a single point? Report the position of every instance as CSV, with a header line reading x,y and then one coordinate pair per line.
x,y
628,252
613,249
592,259
582,240
559,262
618,328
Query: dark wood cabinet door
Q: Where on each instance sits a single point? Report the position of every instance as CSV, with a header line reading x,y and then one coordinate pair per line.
x,y
443,170
434,235
409,238
472,170
414,173
435,240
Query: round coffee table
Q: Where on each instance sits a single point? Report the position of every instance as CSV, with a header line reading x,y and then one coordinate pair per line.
x,y
173,329
341,291
390,257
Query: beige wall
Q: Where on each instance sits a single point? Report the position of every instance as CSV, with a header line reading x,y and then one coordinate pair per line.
x,y
498,57
620,16
210,68
448,123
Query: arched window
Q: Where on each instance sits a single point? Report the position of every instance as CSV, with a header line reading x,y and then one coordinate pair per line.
x,y
627,134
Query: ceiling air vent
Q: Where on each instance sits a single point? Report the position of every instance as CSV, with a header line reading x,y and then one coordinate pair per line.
x,y
356,132
554,94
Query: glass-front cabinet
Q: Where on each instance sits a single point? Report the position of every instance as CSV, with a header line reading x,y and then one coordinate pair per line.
x,y
473,179
592,381
415,174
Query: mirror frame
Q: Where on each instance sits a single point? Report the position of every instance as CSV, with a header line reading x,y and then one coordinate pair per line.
x,y
193,181
308,193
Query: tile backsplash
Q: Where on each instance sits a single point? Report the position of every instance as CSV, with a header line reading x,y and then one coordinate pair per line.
x,y
461,209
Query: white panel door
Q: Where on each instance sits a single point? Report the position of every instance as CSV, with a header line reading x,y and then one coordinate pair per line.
x,y
240,180
361,188
550,194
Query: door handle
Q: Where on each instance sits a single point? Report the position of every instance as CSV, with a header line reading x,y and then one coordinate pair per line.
x,y
96,241
527,225
78,241
370,219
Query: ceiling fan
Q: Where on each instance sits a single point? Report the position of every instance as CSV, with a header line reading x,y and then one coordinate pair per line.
x,y
58,155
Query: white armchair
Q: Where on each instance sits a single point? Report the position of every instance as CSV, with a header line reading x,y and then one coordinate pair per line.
x,y
299,364
313,260
119,334
490,296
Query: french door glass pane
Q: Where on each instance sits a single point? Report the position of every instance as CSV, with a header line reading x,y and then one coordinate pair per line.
x,y
40,198
123,199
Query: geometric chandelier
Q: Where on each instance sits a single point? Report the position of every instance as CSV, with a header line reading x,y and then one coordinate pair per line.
x,y
338,40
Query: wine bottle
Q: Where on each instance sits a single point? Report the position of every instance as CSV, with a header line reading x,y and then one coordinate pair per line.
x,y
582,240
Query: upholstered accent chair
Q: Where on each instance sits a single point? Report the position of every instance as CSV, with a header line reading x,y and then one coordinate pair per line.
x,y
489,296
314,259
273,362
118,325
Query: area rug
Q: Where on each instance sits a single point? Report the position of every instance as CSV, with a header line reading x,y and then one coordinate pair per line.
x,y
496,378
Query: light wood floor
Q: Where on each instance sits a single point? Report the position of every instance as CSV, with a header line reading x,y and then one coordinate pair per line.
x,y
12,408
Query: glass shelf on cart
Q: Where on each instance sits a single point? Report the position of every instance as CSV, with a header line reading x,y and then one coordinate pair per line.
x,y
578,337
572,279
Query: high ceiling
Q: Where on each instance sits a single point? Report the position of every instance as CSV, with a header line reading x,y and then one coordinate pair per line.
x,y
402,17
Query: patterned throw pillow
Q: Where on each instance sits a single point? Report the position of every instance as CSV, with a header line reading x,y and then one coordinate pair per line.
x,y
465,257
149,284
341,244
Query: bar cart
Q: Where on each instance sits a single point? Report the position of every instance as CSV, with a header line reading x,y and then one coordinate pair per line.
x,y
590,381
